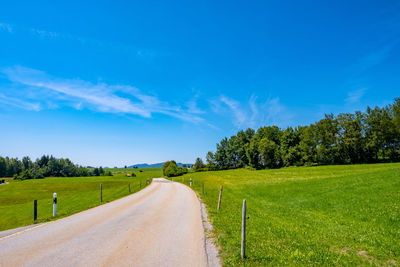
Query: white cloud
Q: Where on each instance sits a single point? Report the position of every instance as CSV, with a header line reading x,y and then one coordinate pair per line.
x,y
355,96
100,97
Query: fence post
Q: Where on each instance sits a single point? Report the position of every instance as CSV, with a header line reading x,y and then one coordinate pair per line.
x,y
129,186
202,188
35,210
54,204
220,196
101,192
243,247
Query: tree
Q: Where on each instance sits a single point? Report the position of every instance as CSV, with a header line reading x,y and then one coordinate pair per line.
x,y
269,153
3,167
170,169
27,163
252,152
290,150
199,164
211,163
220,155
326,133
96,172
350,137
308,144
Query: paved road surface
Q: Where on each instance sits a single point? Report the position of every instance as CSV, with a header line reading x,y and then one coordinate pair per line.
x,y
158,226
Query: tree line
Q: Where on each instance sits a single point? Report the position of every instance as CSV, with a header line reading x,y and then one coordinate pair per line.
x,y
348,138
45,166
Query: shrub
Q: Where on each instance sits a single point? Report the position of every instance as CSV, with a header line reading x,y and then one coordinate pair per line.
x,y
170,169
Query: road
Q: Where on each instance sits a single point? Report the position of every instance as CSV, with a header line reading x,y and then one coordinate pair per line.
x,y
158,226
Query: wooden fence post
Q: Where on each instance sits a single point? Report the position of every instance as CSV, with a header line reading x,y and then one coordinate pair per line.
x,y
220,196
243,247
35,210
101,193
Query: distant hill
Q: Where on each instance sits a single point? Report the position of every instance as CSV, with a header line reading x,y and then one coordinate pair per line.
x,y
155,165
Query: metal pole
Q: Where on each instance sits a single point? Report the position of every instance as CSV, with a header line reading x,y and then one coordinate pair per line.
x,y
243,248
54,204
220,196
35,210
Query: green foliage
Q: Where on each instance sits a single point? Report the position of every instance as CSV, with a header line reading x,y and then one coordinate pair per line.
x,y
199,164
373,136
346,215
46,166
170,169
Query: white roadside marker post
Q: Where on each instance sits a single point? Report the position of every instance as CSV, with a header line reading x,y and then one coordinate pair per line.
x,y
54,204
243,247
190,182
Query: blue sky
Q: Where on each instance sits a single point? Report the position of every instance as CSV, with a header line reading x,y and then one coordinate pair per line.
x,y
121,82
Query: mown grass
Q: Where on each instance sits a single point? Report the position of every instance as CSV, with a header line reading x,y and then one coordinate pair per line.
x,y
75,194
314,216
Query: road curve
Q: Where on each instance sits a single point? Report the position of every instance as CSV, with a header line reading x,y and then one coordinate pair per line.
x,y
158,226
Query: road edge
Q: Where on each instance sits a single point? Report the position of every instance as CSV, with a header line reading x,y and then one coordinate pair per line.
x,y
212,251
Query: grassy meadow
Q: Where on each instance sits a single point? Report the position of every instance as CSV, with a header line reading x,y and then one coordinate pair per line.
x,y
75,194
319,216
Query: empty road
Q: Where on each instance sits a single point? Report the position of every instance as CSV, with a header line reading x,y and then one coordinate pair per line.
x,y
158,226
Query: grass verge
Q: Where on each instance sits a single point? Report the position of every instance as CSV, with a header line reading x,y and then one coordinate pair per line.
x,y
320,216
75,194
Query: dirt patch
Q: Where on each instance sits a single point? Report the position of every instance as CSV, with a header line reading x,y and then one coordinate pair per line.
x,y
392,262
346,249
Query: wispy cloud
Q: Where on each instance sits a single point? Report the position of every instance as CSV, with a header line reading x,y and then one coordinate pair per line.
x,y
374,58
238,112
6,100
100,97
192,106
354,97
146,54
44,34
6,27
254,113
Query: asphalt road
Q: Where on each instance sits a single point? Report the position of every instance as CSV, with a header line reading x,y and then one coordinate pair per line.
x,y
158,226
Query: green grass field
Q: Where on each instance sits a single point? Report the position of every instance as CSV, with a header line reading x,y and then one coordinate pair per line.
x,y
318,216
74,194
